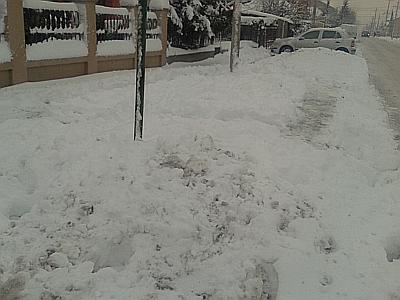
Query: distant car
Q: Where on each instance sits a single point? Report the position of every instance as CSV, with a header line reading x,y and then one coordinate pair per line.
x,y
365,33
331,38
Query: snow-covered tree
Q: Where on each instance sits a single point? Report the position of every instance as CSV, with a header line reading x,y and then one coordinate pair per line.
x,y
192,22
189,23
293,9
346,14
219,12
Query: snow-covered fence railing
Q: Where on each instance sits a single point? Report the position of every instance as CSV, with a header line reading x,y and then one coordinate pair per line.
x,y
51,39
44,21
113,24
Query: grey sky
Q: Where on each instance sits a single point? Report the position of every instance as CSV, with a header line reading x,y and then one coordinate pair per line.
x,y
366,8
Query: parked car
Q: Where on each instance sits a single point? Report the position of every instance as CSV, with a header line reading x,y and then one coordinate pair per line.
x,y
331,38
365,33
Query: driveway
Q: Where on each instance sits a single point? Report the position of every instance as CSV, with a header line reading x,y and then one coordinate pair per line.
x,y
384,67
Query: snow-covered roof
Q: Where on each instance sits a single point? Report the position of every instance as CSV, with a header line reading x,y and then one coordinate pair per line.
x,y
267,18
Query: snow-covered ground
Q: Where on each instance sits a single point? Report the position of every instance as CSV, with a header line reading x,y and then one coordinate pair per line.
x,y
389,39
285,167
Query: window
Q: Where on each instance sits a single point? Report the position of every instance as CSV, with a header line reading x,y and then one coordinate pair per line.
x,y
329,34
313,35
338,35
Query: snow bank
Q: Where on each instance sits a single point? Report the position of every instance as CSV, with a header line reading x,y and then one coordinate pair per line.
x,y
56,49
284,167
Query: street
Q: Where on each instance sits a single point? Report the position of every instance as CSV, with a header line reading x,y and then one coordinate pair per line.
x,y
384,65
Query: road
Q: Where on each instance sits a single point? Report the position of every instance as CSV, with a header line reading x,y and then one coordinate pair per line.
x,y
384,67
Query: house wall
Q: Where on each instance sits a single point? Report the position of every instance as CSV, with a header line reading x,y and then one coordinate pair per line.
x,y
20,70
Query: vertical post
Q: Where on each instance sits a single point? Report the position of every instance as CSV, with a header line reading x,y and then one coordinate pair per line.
x,y
374,22
327,13
140,70
91,36
387,11
394,25
314,13
16,38
235,40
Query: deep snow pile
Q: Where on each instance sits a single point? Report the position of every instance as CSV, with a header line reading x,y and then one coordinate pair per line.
x,y
287,162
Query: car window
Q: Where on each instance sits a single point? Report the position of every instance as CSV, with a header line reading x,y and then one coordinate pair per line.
x,y
311,35
329,34
338,35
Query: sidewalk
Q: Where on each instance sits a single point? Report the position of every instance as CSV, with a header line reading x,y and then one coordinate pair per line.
x,y
286,162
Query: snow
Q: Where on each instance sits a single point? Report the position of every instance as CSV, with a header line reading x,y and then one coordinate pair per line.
x,y
111,10
55,49
153,45
38,4
5,53
128,3
268,17
389,39
110,48
172,51
284,170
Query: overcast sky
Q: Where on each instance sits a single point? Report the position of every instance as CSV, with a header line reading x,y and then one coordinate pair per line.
x,y
366,8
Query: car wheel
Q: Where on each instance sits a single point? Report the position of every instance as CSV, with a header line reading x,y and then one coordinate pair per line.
x,y
343,49
286,49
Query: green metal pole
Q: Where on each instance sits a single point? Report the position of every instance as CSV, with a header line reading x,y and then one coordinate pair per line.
x,y
140,70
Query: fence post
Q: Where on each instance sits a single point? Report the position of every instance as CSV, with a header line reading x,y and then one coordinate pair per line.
x,y
16,39
162,16
91,36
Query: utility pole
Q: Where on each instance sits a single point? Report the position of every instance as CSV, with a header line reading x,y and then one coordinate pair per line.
x,y
327,13
379,20
235,40
374,20
395,19
140,70
387,11
314,13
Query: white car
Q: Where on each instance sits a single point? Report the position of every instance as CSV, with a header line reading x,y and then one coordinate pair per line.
x,y
331,38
